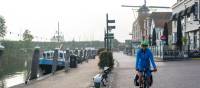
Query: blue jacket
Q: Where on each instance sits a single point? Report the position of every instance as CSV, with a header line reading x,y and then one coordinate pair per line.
x,y
143,59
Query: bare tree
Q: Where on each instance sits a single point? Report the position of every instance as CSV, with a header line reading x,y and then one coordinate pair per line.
x,y
27,35
2,27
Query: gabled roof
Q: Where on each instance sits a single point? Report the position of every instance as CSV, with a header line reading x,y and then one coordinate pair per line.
x,y
160,18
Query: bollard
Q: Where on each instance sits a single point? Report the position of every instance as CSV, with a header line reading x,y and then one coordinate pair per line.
x,y
73,61
85,56
81,55
67,58
55,61
35,63
97,81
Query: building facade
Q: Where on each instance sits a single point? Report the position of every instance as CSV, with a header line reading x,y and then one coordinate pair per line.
x,y
155,25
138,30
187,12
156,22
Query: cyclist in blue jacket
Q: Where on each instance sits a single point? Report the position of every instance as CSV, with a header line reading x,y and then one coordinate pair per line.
x,y
143,58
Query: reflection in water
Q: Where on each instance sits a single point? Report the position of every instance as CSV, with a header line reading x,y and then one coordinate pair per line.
x,y
2,83
15,79
14,64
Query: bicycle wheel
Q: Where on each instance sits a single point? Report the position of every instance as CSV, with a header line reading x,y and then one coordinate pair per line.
x,y
146,84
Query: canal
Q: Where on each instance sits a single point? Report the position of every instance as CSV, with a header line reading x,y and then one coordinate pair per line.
x,y
14,65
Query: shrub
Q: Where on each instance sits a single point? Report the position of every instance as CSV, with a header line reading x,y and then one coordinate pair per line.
x,y
100,50
106,60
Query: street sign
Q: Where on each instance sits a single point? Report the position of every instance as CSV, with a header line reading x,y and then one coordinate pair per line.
x,y
111,21
110,37
163,37
110,34
111,27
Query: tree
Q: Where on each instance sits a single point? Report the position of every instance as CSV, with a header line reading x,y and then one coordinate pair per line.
x,y
184,40
154,37
106,60
165,33
27,35
179,34
2,27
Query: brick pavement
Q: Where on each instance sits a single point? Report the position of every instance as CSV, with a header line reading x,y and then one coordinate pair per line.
x,y
80,77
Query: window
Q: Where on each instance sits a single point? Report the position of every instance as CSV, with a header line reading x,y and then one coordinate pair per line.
x,y
48,56
174,24
174,37
61,55
44,55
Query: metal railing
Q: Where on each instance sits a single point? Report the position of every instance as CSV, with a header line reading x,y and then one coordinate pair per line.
x,y
165,53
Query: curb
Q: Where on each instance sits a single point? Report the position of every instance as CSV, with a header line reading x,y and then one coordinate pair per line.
x,y
195,59
38,79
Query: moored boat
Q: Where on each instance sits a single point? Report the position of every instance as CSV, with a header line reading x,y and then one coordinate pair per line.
x,y
46,62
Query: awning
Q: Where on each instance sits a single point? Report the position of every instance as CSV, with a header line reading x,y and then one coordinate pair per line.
x,y
183,13
190,9
174,16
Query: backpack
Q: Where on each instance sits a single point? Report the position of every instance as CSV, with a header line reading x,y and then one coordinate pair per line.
x,y
136,80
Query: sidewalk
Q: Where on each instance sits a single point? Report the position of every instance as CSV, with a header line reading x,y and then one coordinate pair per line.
x,y
80,77
124,72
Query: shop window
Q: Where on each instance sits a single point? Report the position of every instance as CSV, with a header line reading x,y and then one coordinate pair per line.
x,y
174,23
61,55
174,37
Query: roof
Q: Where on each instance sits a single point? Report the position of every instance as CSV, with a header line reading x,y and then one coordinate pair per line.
x,y
160,18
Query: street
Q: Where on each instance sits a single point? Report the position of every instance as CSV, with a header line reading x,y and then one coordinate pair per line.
x,y
171,74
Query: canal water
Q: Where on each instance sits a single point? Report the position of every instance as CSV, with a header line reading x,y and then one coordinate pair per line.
x,y
14,66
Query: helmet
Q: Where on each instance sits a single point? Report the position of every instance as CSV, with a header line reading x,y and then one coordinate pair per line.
x,y
144,42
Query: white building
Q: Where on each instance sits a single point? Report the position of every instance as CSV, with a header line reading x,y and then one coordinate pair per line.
x,y
187,11
156,21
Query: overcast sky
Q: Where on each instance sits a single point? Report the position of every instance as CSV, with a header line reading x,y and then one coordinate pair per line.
x,y
79,19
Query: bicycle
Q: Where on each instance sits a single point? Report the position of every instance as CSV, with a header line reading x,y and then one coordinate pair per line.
x,y
144,82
